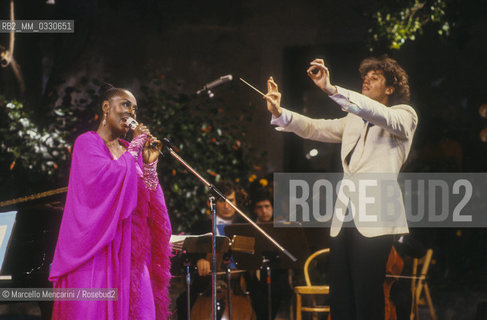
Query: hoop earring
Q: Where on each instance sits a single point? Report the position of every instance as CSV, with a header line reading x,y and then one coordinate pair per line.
x,y
105,119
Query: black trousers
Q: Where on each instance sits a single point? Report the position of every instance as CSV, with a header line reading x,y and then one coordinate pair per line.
x,y
357,271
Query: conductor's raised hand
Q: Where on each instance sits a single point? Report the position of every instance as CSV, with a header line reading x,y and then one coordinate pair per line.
x,y
320,75
273,98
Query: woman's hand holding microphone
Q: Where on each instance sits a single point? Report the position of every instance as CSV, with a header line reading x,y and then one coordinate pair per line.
x,y
151,145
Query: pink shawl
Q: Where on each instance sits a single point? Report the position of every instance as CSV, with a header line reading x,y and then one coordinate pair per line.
x,y
112,228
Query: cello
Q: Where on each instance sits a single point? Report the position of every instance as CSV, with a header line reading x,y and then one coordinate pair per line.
x,y
395,266
232,297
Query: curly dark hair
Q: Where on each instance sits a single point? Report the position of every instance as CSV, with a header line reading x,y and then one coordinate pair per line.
x,y
261,194
394,74
227,187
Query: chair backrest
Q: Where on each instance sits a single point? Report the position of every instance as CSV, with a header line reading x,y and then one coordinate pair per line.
x,y
308,261
424,262
418,280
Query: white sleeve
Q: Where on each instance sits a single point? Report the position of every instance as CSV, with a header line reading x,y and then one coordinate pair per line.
x,y
400,120
324,130
283,120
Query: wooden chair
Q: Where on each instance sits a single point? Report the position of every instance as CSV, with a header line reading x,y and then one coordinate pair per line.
x,y
419,283
311,289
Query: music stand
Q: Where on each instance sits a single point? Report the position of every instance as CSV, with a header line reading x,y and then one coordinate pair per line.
x,y
213,191
293,238
201,244
266,256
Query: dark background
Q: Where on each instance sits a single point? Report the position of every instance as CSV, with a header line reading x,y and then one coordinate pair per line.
x,y
193,42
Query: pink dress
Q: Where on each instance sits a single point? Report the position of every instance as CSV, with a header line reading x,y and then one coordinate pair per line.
x,y
114,234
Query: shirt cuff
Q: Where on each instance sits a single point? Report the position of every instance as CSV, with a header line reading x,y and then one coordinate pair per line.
x,y
283,120
341,98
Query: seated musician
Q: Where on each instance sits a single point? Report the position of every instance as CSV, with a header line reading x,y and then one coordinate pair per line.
x,y
225,215
261,201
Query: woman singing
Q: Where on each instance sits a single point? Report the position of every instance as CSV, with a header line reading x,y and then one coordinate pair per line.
x,y
115,230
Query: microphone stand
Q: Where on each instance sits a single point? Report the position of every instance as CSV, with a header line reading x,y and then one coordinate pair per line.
x,y
214,191
212,200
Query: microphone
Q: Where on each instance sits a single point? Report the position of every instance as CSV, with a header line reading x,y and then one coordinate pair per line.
x,y
215,83
131,123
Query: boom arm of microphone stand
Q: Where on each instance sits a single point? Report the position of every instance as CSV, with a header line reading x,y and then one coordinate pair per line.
x,y
168,146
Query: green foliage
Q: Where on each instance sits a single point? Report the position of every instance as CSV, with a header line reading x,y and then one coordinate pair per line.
x,y
397,23
209,135
27,145
31,155
74,109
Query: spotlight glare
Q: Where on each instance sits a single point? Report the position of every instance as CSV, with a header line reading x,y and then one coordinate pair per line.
x,y
311,154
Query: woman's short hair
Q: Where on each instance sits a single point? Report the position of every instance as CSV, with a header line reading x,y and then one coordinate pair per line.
x,y
107,91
